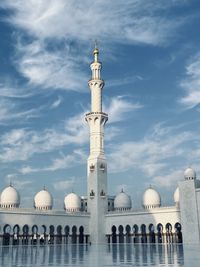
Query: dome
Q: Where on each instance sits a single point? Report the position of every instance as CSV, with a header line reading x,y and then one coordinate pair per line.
x,y
10,198
176,196
72,202
43,200
151,199
189,174
122,201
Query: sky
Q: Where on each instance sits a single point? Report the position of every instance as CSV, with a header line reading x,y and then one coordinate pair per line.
x,y
150,53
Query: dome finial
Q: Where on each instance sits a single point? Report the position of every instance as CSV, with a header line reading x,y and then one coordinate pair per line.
x,y
96,51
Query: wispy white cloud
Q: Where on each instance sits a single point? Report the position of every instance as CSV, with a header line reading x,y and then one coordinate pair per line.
x,y
119,107
155,153
169,180
58,66
65,185
191,83
57,102
134,21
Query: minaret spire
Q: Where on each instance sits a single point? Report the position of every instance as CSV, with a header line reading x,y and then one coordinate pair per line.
x,y
97,165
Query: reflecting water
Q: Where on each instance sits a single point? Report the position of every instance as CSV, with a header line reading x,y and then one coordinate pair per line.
x,y
101,255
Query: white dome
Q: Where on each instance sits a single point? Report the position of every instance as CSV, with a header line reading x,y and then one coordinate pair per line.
x,y
10,198
189,174
72,202
43,200
122,201
151,199
176,196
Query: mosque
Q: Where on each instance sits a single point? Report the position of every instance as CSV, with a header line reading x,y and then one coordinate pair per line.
x,y
98,217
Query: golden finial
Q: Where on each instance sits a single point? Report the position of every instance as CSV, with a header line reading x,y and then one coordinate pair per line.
x,y
95,52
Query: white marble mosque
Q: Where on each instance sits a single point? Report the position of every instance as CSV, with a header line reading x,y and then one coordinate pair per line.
x,y
98,217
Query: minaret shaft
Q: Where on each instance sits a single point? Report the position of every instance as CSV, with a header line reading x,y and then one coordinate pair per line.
x,y
97,165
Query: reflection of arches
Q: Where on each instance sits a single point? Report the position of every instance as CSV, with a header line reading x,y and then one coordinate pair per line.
x,y
81,234
74,234
67,230
6,234
160,232
114,235
121,234
178,233
151,233
59,234
128,233
143,234
135,233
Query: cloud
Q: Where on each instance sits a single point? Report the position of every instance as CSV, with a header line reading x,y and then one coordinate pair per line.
x,y
168,180
191,83
132,21
155,153
65,185
49,68
57,102
10,112
52,40
119,107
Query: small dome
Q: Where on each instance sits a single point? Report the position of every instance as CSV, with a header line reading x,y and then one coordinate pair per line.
x,y
189,174
122,201
151,199
72,202
43,200
176,196
10,198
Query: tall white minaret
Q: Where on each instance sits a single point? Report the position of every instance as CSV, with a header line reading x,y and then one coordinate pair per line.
x,y
97,165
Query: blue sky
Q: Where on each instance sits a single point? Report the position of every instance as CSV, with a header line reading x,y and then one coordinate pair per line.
x,y
151,67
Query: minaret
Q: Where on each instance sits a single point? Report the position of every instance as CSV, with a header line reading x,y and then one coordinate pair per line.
x,y
97,166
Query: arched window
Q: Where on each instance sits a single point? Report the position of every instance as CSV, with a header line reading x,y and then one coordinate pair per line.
x,y
114,235
143,234
74,234
81,234
121,234
178,233
160,233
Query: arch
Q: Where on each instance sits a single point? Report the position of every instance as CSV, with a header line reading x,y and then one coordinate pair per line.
x,y
66,231
128,233
135,233
121,234
152,238
6,234
7,229
81,234
16,229
25,234
34,229
59,234
74,234
169,236
51,234
178,233
143,233
25,229
160,233
114,235
34,234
